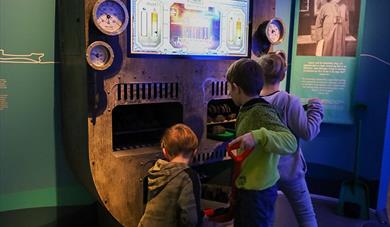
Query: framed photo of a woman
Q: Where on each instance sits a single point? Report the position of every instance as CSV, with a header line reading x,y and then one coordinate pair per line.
x,y
330,30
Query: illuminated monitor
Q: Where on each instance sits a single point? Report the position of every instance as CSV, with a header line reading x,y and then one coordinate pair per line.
x,y
217,28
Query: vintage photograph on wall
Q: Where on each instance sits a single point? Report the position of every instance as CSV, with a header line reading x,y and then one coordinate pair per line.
x,y
328,27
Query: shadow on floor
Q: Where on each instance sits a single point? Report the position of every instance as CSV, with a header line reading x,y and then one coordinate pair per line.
x,y
325,209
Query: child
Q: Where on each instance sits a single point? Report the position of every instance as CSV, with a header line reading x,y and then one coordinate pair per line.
x,y
174,189
292,168
256,190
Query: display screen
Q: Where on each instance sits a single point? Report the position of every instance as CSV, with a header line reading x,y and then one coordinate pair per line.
x,y
190,27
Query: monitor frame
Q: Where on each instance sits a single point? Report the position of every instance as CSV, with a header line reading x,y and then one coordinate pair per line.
x,y
191,56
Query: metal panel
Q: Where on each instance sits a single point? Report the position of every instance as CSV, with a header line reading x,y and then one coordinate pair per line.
x,y
118,175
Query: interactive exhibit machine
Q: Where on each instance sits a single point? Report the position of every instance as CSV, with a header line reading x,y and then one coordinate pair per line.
x,y
132,68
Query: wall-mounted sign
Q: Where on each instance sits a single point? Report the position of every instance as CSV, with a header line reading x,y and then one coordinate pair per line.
x,y
324,55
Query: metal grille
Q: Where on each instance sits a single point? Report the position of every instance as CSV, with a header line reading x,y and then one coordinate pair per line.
x,y
147,91
207,157
219,88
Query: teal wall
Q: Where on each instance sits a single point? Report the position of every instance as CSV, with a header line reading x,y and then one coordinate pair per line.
x,y
383,194
373,88
33,169
282,11
334,146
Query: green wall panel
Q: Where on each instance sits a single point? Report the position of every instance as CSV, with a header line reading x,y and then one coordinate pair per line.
x,y
33,170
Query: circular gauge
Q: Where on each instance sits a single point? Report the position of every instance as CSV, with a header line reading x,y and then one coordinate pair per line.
x,y
275,31
100,55
110,16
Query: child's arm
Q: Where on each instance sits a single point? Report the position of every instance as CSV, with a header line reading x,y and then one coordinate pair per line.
x,y
276,142
305,125
189,201
279,142
271,134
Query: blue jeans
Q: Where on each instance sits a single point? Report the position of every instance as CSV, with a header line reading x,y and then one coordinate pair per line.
x,y
298,196
255,208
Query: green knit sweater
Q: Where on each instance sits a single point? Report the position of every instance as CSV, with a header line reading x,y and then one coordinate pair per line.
x,y
259,171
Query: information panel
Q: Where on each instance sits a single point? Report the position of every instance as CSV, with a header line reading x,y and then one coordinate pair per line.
x,y
325,50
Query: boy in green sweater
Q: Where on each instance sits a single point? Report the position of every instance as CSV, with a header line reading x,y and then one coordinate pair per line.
x,y
256,190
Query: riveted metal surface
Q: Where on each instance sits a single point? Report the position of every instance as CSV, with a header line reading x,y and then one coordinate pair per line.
x,y
89,98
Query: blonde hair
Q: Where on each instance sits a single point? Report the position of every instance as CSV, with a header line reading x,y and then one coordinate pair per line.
x,y
179,139
274,67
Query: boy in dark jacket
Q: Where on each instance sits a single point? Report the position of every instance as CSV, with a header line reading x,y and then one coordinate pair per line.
x,y
174,189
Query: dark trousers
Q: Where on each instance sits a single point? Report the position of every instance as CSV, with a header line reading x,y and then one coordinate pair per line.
x,y
255,208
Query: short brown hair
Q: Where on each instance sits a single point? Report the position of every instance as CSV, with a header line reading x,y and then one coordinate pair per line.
x,y
247,74
274,67
179,139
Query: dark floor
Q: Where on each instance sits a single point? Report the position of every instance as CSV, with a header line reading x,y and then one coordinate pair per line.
x,y
325,180
325,208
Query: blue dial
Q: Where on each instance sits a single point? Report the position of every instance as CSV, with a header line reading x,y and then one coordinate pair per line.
x,y
110,16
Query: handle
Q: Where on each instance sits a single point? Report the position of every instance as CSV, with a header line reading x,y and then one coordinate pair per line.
x,y
241,157
357,151
360,110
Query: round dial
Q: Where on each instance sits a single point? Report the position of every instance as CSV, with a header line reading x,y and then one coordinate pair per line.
x,y
275,31
100,55
110,16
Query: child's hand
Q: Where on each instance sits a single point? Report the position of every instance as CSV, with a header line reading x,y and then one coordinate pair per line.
x,y
314,100
247,141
